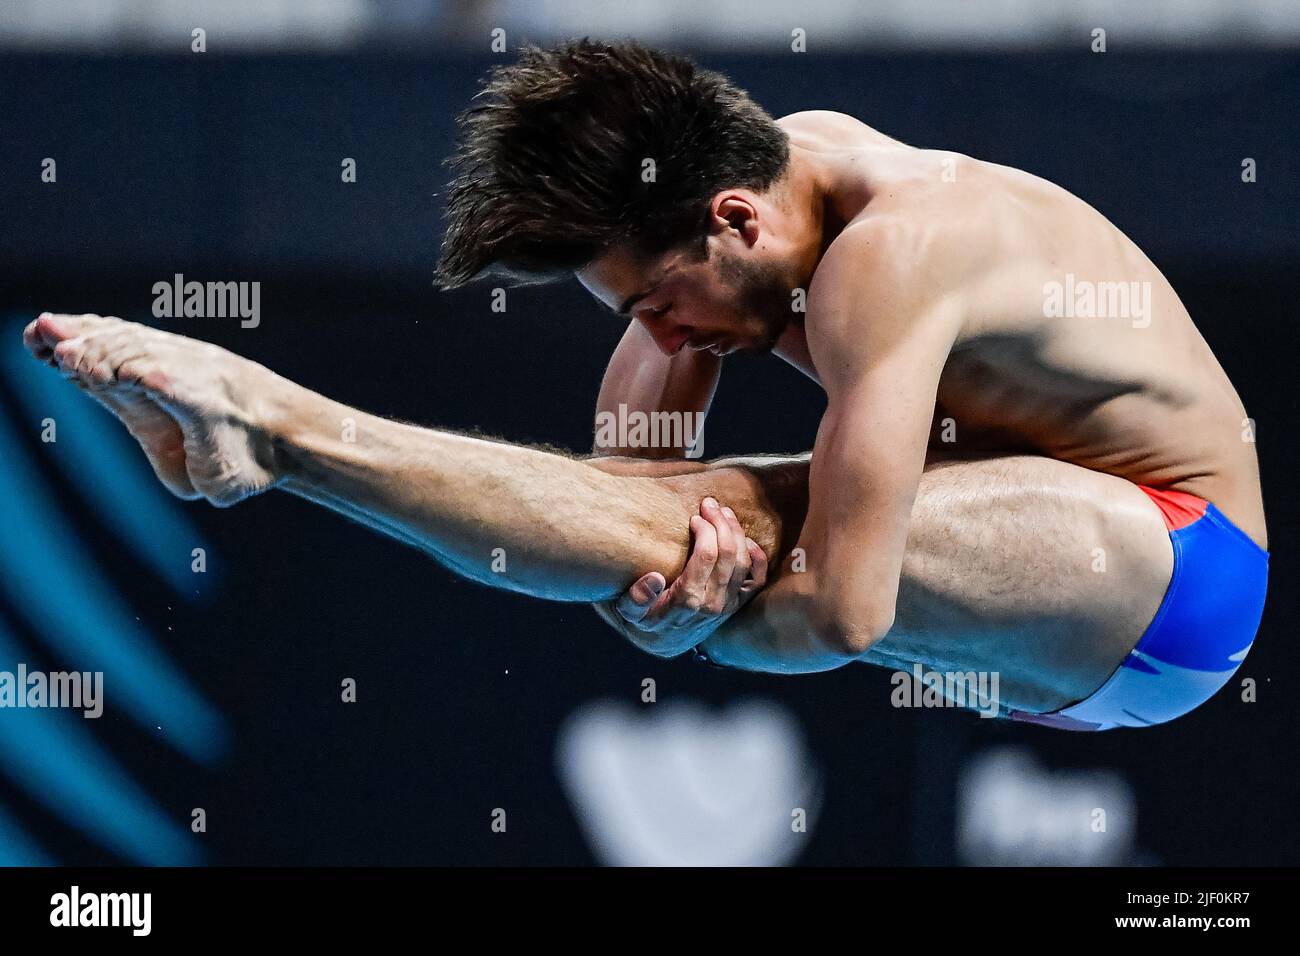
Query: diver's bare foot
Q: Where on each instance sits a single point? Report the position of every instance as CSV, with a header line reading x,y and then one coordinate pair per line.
x,y
188,403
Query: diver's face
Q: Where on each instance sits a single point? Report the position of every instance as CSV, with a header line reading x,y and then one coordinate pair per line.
x,y
710,297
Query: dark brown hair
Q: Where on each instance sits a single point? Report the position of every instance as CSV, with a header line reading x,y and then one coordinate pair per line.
x,y
549,166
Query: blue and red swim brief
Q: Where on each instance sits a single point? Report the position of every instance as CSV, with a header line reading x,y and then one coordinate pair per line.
x,y
1200,635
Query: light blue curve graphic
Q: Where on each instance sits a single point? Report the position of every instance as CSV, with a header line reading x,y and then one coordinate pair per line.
x,y
53,756
51,580
15,848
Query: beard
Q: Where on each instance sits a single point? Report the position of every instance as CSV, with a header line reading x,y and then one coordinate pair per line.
x,y
762,295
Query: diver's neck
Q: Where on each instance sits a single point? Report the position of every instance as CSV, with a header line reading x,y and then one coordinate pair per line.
x,y
811,198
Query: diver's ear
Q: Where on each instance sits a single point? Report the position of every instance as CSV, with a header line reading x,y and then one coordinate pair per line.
x,y
735,210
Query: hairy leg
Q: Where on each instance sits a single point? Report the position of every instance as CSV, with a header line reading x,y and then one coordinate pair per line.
x,y
509,516
1035,569
1042,571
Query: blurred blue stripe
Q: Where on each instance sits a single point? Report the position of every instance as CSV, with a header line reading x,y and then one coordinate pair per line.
x,y
52,754
16,849
50,579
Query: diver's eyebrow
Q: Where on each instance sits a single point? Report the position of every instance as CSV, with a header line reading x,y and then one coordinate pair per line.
x,y
632,300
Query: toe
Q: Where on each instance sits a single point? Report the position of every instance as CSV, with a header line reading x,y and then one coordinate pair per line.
x,y
53,329
66,351
30,338
99,374
33,342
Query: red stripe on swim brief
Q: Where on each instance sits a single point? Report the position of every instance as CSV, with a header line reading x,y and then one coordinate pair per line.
x,y
1178,507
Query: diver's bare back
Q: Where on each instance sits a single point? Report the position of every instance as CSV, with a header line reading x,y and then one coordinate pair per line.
x,y
1073,344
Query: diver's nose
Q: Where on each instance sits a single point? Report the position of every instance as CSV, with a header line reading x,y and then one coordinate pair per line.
x,y
669,336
